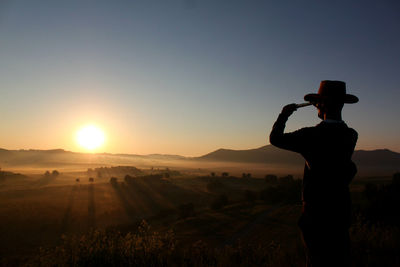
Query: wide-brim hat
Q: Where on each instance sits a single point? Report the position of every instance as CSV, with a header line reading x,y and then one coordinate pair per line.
x,y
332,91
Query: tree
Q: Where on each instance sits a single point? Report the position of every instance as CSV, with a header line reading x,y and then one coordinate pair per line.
x,y
55,173
113,180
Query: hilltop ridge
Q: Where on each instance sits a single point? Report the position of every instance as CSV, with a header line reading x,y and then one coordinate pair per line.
x,y
369,162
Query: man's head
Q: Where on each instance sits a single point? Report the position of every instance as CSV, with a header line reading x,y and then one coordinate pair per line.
x,y
330,98
329,109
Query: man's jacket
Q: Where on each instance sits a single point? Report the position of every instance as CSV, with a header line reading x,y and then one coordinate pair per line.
x,y
327,149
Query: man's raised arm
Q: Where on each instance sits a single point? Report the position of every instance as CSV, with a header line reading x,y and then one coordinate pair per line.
x,y
277,137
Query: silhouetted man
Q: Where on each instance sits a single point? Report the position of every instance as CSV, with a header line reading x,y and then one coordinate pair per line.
x,y
327,149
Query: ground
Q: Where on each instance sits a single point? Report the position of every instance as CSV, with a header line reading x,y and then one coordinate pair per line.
x,y
36,211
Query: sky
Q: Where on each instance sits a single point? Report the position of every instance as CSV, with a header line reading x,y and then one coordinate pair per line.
x,y
188,77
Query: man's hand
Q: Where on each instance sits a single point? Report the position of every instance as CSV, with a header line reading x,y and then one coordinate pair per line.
x,y
289,109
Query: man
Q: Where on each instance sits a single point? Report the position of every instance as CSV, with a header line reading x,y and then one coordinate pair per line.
x,y
327,149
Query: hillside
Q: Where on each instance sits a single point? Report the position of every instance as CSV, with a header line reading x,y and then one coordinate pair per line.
x,y
58,158
373,162
265,154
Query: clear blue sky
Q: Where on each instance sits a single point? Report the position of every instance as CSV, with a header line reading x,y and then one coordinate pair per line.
x,y
189,77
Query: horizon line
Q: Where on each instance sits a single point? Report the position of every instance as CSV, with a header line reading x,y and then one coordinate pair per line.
x,y
163,154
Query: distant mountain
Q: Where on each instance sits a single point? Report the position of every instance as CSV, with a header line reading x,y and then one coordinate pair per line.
x,y
154,156
371,162
377,161
59,157
265,154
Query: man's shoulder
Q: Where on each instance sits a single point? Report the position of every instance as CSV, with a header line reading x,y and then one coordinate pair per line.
x,y
351,130
337,126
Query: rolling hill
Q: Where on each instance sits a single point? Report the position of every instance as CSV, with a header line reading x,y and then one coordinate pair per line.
x,y
369,162
372,162
265,154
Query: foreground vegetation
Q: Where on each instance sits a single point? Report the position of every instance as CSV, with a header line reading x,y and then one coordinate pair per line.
x,y
372,246
146,248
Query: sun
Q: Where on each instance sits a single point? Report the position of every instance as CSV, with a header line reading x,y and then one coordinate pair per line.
x,y
90,137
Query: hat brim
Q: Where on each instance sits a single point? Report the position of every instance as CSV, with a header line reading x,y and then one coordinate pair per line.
x,y
348,99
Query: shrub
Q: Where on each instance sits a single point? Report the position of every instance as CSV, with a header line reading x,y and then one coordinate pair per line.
x,y
113,180
246,175
225,174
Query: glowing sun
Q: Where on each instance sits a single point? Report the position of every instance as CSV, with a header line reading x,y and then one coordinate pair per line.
x,y
90,137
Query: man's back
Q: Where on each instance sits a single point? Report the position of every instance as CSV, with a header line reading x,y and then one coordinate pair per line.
x,y
327,149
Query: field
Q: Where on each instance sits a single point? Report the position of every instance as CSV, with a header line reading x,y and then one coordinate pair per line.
x,y
217,209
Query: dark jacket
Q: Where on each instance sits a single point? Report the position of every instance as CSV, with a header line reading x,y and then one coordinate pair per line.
x,y
327,149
